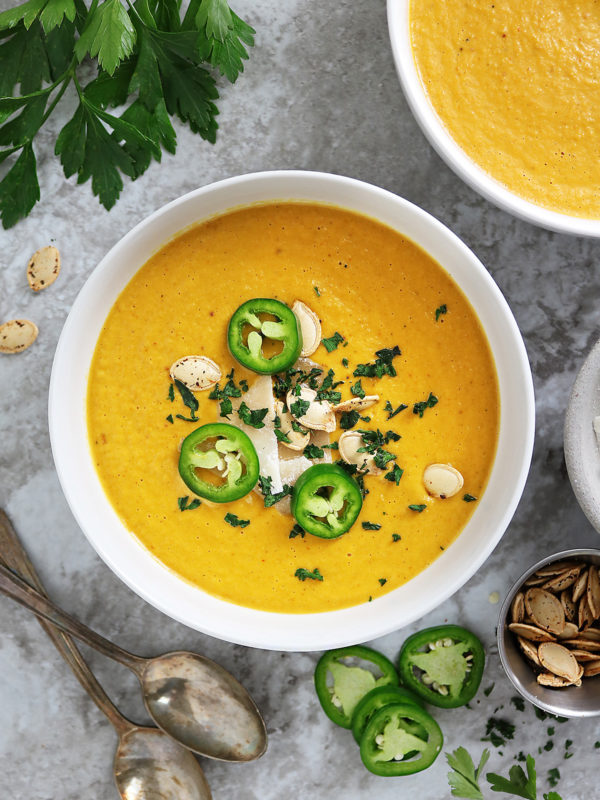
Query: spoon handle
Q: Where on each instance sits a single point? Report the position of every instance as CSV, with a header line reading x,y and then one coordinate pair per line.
x,y
13,556
16,588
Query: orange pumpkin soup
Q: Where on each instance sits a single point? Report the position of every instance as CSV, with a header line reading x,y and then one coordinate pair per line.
x,y
377,290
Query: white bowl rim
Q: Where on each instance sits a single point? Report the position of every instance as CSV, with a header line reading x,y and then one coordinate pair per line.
x,y
454,156
163,589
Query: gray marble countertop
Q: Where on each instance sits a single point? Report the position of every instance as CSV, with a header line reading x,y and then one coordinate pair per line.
x,y
320,92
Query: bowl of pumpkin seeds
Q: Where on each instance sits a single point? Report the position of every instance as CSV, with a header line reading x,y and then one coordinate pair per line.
x,y
549,634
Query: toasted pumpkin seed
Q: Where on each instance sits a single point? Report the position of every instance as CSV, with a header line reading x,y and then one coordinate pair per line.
x,y
568,605
545,609
442,480
310,327
580,586
593,592
43,268
297,439
585,616
569,631
529,649
563,580
592,668
319,415
17,335
554,681
357,403
198,373
517,608
559,660
349,444
531,632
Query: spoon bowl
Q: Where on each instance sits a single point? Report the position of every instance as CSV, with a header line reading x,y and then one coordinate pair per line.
x,y
195,700
151,766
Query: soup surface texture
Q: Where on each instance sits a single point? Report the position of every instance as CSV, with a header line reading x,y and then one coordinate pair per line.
x,y
517,85
378,290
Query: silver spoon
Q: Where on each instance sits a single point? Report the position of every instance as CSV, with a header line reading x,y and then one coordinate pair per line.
x,y
190,697
148,764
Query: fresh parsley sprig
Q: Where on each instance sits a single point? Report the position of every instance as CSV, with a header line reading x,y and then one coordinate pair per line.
x,y
147,57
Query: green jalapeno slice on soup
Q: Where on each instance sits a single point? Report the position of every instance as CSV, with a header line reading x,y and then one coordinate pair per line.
x,y
262,325
218,462
326,501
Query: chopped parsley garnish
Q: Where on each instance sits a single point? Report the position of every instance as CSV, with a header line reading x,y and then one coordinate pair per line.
x,y
568,752
299,407
317,291
393,411
297,531
395,474
188,400
443,309
264,484
332,342
597,745
549,745
487,692
345,362
382,581
170,419
229,390
417,507
396,537
553,776
171,395
252,417
292,378
279,434
357,390
498,731
382,458
381,366
235,521
348,419
312,451
518,703
325,391
419,408
225,407
468,498
302,574
391,436
183,504
371,526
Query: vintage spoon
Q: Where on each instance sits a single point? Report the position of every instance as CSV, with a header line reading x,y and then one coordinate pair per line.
x,y
190,697
148,764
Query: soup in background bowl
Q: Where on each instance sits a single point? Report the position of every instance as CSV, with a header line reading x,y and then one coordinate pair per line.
x,y
507,94
168,290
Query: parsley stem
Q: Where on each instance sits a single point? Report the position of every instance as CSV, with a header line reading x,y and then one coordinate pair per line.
x,y
66,80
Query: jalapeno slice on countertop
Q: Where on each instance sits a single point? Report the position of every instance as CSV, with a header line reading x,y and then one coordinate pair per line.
x,y
341,682
250,335
400,739
218,462
376,699
326,501
443,665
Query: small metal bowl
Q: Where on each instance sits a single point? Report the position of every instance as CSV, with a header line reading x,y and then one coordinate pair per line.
x,y
573,701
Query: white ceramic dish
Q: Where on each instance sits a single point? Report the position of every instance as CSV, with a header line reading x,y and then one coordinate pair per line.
x,y
582,453
448,149
188,604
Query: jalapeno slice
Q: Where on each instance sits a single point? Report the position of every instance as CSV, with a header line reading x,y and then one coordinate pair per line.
x,y
248,346
443,665
326,501
400,739
341,682
218,462
376,699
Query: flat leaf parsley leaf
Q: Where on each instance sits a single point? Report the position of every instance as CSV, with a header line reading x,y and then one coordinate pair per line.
x,y
252,417
381,366
517,783
148,59
464,778
443,309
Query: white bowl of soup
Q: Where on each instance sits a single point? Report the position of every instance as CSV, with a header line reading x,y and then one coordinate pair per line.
x,y
383,275
507,95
